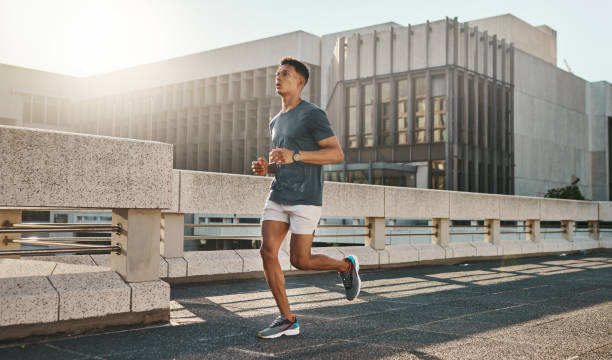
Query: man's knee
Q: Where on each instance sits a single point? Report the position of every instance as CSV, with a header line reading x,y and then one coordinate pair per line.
x,y
267,254
300,262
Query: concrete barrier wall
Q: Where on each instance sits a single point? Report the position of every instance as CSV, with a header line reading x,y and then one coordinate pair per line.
x,y
44,168
205,192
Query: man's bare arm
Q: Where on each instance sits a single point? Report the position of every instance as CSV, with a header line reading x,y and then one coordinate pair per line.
x,y
331,153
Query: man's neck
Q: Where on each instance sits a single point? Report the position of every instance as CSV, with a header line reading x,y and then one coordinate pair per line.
x,y
290,101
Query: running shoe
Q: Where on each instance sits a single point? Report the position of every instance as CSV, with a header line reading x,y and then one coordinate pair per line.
x,y
350,278
279,327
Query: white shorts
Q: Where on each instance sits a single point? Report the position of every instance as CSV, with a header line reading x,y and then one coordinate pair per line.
x,y
302,219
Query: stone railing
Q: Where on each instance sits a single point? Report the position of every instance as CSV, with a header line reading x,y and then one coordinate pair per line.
x,y
214,193
58,170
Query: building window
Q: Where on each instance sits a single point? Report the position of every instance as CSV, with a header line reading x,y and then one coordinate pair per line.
x,y
357,177
420,110
384,91
439,131
438,174
367,137
351,113
402,112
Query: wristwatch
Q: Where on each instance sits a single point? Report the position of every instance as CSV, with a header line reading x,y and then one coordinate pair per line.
x,y
297,156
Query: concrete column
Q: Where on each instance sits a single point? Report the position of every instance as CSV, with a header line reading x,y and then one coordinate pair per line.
x,y
139,240
172,232
593,230
8,218
441,234
534,230
376,240
493,229
567,226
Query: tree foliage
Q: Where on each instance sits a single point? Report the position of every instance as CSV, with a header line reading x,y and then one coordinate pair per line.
x,y
571,192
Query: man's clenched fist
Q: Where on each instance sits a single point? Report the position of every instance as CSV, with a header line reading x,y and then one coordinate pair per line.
x,y
260,167
281,156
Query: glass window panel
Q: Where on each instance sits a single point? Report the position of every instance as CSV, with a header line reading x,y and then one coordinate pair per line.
x,y
367,119
401,107
420,106
352,96
353,121
420,136
420,122
402,138
386,109
385,92
402,88
368,94
419,86
401,124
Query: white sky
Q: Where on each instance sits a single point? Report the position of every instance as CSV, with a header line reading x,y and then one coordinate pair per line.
x,y
85,37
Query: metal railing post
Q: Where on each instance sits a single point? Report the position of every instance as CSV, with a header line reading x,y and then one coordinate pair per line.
x,y
7,219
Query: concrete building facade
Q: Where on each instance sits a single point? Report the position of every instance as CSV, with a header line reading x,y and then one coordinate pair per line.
x,y
473,106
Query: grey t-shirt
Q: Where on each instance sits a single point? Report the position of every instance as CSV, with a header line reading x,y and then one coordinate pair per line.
x,y
300,128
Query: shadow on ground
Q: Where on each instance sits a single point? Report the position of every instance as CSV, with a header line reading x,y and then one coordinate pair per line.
x,y
541,308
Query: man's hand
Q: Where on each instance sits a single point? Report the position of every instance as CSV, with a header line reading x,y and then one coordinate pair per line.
x,y
260,167
281,156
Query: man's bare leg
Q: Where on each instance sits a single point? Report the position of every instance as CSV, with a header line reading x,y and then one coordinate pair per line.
x,y
302,258
273,233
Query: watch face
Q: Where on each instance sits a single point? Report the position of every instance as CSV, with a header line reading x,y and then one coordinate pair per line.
x,y
296,157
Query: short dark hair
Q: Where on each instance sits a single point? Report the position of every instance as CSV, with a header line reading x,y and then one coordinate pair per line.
x,y
299,67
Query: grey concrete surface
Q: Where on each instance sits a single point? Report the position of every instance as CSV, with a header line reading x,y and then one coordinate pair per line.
x,y
541,308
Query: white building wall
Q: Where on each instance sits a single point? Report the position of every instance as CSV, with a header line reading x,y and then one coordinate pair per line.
x,y
551,128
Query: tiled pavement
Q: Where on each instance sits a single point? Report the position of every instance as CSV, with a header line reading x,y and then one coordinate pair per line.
x,y
540,308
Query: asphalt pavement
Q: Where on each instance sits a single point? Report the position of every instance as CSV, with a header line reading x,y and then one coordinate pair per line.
x,y
540,308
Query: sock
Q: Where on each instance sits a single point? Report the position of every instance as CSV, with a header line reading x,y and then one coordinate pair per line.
x,y
350,265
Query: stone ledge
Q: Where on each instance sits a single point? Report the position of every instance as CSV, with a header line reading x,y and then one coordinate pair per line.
x,y
213,262
252,260
27,300
85,295
430,252
88,325
151,295
365,254
399,254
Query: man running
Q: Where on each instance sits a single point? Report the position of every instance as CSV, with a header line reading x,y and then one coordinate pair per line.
x,y
303,142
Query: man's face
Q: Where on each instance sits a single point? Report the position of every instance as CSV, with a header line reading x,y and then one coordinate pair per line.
x,y
288,81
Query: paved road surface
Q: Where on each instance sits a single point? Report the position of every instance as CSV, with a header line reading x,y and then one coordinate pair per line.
x,y
541,308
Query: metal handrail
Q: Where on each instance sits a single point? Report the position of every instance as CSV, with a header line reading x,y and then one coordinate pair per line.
x,y
414,234
59,228
114,248
412,226
468,226
189,226
469,233
61,239
48,243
